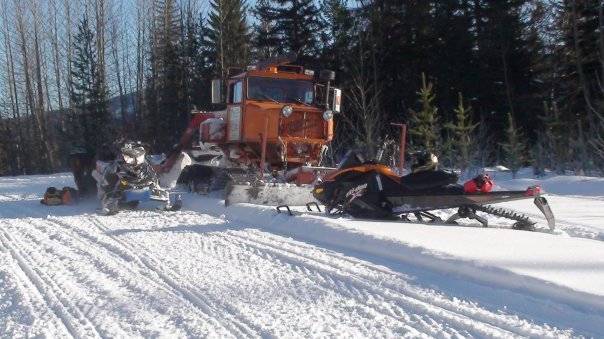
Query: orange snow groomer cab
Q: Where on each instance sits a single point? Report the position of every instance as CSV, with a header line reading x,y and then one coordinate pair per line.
x,y
278,116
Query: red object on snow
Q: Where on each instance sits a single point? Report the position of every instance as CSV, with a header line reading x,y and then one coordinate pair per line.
x,y
185,139
481,184
533,191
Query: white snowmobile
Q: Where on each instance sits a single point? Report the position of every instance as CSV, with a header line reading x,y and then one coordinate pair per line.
x,y
130,180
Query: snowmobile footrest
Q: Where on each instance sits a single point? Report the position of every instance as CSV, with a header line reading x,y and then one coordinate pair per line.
x,y
467,212
311,204
483,221
174,203
282,208
430,216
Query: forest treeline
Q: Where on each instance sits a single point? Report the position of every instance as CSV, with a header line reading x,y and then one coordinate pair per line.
x,y
479,82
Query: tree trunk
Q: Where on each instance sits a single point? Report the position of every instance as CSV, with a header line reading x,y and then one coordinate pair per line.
x,y
55,56
13,96
69,49
506,77
579,64
115,37
41,116
37,119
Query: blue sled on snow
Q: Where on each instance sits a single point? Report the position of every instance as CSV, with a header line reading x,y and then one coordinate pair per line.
x,y
172,202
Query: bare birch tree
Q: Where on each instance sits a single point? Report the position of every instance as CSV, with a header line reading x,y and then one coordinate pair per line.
x,y
363,114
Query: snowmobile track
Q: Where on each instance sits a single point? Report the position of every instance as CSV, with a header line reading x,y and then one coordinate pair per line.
x,y
115,269
375,292
38,306
188,293
207,271
117,265
326,269
141,270
381,291
72,317
329,281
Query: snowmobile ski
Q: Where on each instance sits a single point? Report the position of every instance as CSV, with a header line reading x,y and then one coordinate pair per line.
x,y
175,203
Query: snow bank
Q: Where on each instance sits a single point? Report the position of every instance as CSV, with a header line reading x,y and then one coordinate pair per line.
x,y
32,186
559,267
551,183
565,269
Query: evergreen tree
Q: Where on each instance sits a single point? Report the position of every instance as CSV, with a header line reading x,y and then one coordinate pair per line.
x,y
337,37
424,129
542,41
192,60
227,36
452,42
461,131
580,161
204,68
485,145
514,148
89,121
395,38
504,69
551,139
265,36
579,73
165,99
298,25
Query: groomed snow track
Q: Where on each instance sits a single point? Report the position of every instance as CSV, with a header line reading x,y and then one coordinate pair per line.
x,y
103,280
190,274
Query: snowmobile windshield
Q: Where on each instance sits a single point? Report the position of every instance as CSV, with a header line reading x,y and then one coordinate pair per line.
x,y
280,90
133,156
351,159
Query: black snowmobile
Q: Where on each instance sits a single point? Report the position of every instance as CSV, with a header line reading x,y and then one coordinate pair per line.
x,y
367,189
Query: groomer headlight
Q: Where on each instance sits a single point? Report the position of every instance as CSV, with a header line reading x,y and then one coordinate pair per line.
x,y
327,115
287,110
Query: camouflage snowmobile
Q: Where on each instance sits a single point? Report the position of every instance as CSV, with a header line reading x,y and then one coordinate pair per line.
x,y
129,180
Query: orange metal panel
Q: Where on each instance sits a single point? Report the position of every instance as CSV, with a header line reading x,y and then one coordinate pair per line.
x,y
280,75
254,120
382,169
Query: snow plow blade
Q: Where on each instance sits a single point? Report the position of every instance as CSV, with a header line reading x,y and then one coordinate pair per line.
x,y
269,194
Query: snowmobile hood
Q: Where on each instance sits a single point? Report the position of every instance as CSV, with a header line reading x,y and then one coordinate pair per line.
x,y
364,168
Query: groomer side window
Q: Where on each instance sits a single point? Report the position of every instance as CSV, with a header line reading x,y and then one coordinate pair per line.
x,y
236,92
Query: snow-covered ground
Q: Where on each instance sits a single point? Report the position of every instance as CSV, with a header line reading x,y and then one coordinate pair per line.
x,y
245,271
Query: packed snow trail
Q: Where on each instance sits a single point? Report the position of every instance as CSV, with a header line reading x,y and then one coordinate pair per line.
x,y
196,276
68,272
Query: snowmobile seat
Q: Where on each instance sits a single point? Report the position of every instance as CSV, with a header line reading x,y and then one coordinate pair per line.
x,y
427,180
